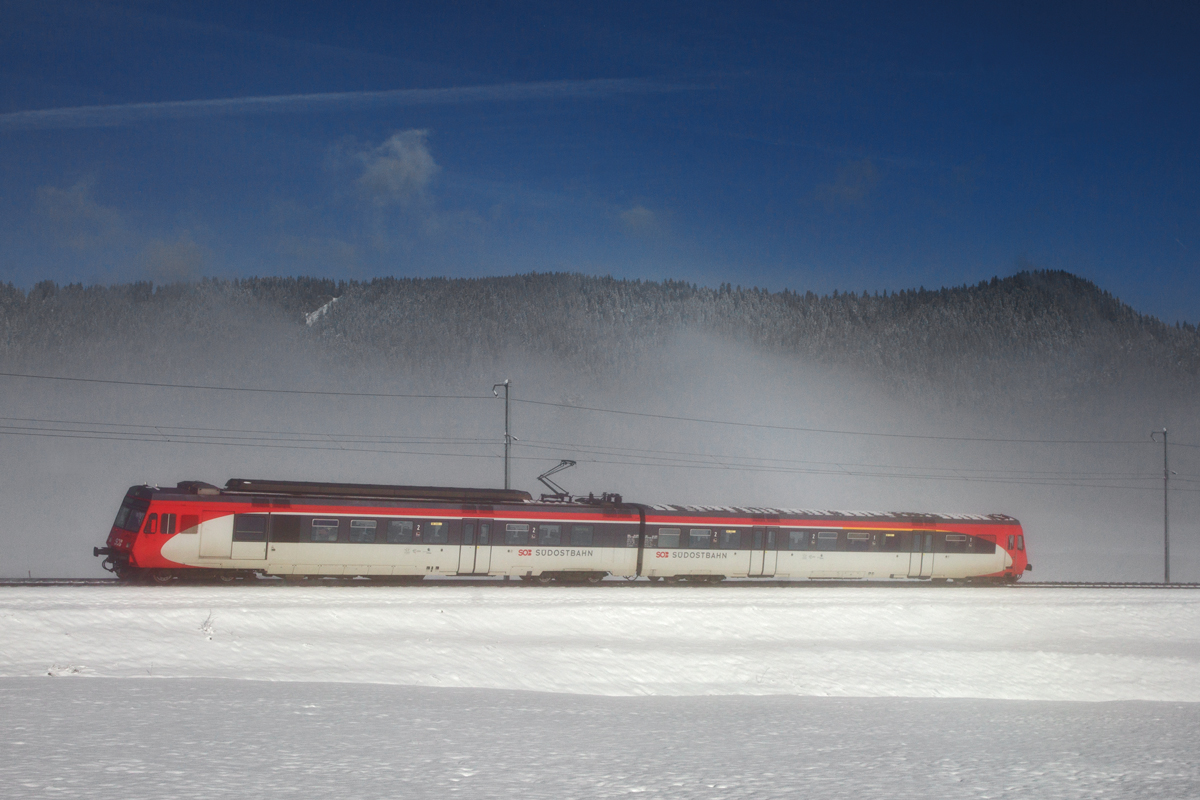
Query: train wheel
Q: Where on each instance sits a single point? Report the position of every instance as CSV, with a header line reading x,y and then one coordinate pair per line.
x,y
161,577
654,578
715,578
225,576
594,578
672,578
543,579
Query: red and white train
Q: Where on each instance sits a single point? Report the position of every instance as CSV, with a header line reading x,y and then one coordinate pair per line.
x,y
299,530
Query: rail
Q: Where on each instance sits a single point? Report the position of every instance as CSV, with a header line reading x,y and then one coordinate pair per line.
x,y
268,582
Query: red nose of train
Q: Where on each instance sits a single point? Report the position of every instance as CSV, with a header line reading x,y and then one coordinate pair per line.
x,y
116,550
120,540
1019,555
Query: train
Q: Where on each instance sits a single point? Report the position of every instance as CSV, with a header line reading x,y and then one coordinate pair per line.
x,y
301,531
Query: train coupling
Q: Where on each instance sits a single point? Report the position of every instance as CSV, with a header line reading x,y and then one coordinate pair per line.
x,y
1029,567
103,551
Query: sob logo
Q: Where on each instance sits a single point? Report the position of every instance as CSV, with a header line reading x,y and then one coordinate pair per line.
x,y
662,554
524,552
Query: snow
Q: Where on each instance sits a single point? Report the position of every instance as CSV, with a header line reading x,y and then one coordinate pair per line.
x,y
312,317
611,691
212,738
1013,644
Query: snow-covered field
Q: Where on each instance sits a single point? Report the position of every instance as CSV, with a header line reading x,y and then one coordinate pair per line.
x,y
210,738
1028,644
672,691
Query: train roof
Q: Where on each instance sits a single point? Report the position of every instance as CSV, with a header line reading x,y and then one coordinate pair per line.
x,y
371,491
242,487
754,511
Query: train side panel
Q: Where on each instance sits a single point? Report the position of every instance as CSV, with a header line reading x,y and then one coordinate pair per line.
x,y
214,532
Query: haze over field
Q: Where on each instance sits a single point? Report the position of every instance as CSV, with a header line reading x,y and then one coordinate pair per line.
x,y
906,402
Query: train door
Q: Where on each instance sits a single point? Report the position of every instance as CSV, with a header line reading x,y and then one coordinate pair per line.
x,y
475,551
763,555
920,557
250,536
466,548
483,550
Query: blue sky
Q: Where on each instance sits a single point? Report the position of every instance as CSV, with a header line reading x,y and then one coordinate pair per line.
x,y
848,146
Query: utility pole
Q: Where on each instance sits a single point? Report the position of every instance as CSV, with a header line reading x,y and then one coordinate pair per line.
x,y
1166,509
507,434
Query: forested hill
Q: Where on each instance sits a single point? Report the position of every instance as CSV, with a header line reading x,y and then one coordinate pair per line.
x,y
1052,331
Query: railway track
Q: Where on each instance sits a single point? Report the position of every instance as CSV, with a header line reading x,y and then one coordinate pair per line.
x,y
610,583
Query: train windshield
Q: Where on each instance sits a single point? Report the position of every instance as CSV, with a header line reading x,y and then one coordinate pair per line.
x,y
130,517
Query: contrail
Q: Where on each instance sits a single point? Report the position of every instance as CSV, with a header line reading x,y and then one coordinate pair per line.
x,y
133,113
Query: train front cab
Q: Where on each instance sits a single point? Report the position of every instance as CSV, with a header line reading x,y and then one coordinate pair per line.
x,y
134,544
1014,546
1007,539
118,550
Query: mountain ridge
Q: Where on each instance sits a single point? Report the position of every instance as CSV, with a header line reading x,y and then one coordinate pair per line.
x,y
1058,332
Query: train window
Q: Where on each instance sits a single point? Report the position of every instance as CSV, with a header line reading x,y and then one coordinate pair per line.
x,y
151,524
485,531
436,533
285,528
399,531
515,533
889,542
1011,542
797,540
983,544
468,533
189,523
956,543
700,538
668,537
827,540
253,528
129,518
168,523
731,539
859,541
549,534
362,531
581,535
770,540
1020,542
324,530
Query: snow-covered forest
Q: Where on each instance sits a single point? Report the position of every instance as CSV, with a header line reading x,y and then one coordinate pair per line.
x,y
1035,336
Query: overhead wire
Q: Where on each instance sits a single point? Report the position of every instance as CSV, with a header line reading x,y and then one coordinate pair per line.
x,y
840,432
310,440
595,409
209,387
649,457
613,450
158,439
